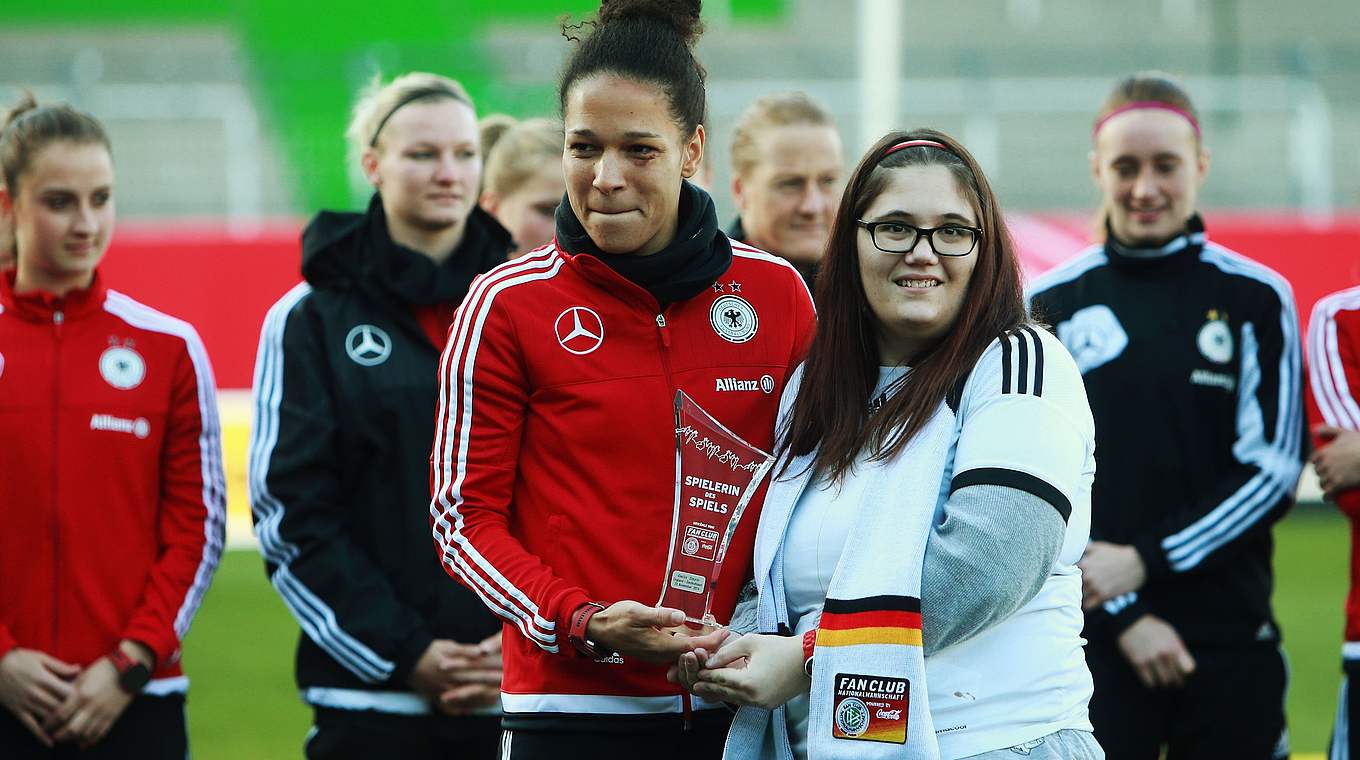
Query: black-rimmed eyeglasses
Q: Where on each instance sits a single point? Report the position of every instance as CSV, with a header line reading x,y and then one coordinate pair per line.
x,y
900,237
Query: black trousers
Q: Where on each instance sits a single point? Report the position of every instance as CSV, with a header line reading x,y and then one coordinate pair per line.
x,y
1345,742
1231,707
597,738
365,735
151,728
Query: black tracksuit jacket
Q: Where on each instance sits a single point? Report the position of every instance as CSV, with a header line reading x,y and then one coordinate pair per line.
x,y
1192,364
345,389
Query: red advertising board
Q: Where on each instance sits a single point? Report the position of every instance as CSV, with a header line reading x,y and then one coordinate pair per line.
x,y
223,283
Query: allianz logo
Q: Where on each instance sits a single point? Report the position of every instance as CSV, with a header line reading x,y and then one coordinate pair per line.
x,y
1213,379
734,384
107,422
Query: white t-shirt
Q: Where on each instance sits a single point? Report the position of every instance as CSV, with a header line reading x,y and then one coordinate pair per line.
x,y
1022,421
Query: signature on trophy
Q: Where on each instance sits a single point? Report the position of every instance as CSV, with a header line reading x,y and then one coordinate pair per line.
x,y
691,437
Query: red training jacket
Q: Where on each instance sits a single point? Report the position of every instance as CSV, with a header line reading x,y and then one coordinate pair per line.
x,y
111,486
1334,398
554,460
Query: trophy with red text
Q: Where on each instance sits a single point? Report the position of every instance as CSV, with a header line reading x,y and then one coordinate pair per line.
x,y
716,473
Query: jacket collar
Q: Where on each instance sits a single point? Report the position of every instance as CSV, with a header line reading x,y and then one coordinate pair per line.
x,y
600,274
1183,246
689,265
42,306
737,231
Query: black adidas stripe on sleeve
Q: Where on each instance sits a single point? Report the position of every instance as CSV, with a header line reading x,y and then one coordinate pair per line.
x,y
1001,476
1022,362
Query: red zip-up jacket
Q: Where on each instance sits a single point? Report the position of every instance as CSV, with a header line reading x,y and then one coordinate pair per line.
x,y
554,460
111,486
1334,398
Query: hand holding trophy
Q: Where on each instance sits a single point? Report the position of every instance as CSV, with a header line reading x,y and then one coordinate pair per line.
x,y
716,474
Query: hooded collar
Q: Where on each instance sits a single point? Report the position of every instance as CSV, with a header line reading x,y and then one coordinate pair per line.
x,y
356,251
690,264
42,306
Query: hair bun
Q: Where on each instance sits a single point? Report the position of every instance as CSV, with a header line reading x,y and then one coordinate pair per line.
x,y
26,103
680,15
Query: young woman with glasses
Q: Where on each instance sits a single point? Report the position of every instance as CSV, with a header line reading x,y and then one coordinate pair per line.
x,y
918,594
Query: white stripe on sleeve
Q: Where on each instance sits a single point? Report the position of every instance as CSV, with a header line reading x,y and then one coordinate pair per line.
x,y
452,434
1331,387
209,445
1278,458
314,616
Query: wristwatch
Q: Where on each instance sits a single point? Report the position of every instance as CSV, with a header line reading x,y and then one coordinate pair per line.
x,y
132,674
577,635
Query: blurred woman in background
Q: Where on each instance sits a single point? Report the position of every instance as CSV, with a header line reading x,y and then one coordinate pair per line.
x,y
787,166
1191,357
393,660
111,485
6,242
523,181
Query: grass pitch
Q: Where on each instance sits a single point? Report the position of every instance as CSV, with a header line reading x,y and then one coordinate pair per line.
x,y
243,703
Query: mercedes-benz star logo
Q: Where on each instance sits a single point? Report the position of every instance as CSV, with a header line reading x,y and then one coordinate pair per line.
x,y
368,345
579,330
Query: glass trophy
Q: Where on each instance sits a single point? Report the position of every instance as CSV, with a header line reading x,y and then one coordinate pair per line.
x,y
716,473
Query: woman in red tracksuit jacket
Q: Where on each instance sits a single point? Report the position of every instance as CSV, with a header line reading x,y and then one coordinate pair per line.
x,y
554,456
1334,408
111,488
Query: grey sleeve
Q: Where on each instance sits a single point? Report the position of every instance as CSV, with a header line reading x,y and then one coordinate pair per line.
x,y
989,556
744,616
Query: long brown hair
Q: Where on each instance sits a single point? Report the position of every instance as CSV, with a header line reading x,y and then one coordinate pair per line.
x,y
28,128
831,411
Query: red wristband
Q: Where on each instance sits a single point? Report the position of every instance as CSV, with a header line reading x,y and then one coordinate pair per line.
x,y
809,644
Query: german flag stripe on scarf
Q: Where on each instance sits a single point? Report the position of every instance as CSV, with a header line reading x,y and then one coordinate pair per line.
x,y
871,620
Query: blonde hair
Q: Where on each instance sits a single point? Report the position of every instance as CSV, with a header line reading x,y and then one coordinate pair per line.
x,y
491,128
377,102
1150,87
519,153
781,109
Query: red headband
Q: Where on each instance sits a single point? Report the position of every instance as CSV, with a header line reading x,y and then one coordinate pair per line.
x,y
1143,104
914,144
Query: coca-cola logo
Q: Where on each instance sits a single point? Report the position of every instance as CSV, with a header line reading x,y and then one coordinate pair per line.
x,y
889,714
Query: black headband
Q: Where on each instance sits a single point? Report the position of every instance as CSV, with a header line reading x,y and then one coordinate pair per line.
x,y
413,95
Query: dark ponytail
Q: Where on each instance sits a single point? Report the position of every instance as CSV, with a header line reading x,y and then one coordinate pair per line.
x,y
29,127
647,41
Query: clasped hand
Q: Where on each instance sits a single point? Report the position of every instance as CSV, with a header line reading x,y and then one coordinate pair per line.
x,y
61,702
755,669
459,679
